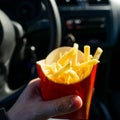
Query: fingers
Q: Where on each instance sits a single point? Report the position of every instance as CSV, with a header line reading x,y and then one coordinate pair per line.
x,y
33,84
67,105
56,107
62,105
33,88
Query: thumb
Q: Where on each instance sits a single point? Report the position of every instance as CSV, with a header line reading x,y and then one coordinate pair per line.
x,y
62,105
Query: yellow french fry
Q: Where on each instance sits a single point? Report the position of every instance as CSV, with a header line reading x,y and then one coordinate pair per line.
x,y
66,57
59,72
98,53
75,57
70,76
86,52
69,69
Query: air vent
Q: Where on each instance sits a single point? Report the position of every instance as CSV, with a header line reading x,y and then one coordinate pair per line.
x,y
98,2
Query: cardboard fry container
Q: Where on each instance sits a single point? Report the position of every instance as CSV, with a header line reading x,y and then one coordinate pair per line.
x,y
52,90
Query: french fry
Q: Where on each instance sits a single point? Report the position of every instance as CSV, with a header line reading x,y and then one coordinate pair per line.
x,y
72,76
66,57
60,71
75,57
86,52
98,53
68,69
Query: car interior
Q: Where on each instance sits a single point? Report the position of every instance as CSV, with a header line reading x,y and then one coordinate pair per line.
x,y
30,29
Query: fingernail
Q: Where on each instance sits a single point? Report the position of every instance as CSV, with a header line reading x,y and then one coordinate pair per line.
x,y
76,102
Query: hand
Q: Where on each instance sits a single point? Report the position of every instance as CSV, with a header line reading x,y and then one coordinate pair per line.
x,y
30,105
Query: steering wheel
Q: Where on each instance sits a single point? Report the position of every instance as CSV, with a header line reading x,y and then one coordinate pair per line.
x,y
9,96
55,23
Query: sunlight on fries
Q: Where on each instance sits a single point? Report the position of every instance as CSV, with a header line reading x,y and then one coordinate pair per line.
x,y
68,69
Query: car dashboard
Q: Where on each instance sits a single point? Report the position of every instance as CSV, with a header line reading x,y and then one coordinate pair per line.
x,y
92,22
